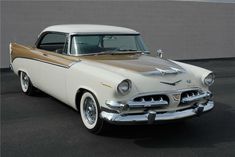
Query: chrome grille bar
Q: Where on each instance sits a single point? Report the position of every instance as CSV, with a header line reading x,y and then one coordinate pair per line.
x,y
152,103
193,97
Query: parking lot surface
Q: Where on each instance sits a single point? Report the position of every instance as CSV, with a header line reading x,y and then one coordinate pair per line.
x,y
41,126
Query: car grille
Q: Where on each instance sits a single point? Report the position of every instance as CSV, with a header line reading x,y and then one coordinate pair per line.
x,y
190,93
193,96
152,98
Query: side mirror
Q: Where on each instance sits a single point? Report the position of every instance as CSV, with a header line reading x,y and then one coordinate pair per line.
x,y
160,53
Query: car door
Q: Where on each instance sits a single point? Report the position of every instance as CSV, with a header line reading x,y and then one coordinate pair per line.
x,y
54,65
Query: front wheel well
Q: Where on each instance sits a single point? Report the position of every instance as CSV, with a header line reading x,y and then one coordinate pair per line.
x,y
78,97
19,72
79,94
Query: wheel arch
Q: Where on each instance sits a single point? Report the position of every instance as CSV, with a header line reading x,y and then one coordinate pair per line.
x,y
25,71
22,70
79,94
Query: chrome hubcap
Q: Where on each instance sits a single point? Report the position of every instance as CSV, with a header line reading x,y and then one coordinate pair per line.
x,y
25,80
89,110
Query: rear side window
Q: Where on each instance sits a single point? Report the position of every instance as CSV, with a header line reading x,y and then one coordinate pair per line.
x,y
53,38
53,42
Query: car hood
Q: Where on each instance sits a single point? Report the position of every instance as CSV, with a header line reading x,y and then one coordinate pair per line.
x,y
148,74
134,62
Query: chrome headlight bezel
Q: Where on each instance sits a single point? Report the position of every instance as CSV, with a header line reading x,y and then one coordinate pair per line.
x,y
209,79
124,87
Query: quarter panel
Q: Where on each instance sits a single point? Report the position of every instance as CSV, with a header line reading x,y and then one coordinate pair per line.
x,y
30,67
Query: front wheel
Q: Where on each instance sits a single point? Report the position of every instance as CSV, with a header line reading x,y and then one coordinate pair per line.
x,y
26,84
89,110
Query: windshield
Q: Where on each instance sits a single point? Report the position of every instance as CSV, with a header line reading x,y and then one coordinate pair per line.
x,y
101,44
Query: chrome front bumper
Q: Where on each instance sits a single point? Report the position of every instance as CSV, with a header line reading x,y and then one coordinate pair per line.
x,y
152,116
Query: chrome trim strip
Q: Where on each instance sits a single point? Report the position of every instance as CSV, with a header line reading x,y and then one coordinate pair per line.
x,y
171,83
152,103
179,91
122,106
132,119
162,72
115,105
70,35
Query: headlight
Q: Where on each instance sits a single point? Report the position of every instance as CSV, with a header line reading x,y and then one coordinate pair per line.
x,y
209,79
124,87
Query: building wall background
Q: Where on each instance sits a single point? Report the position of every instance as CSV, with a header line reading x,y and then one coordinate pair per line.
x,y
184,30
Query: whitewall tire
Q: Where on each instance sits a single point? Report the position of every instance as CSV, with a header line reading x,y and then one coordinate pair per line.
x,y
26,84
89,110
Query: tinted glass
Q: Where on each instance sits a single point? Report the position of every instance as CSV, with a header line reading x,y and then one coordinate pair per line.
x,y
53,38
121,42
54,42
86,44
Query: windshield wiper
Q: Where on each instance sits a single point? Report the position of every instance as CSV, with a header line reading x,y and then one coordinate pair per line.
x,y
134,50
116,52
126,50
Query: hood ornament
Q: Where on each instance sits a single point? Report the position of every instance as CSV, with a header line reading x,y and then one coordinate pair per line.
x,y
169,71
160,53
171,83
163,72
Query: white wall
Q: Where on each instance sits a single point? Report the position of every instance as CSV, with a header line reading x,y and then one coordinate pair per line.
x,y
184,30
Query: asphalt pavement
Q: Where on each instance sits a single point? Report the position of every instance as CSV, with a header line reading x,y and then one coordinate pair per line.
x,y
41,126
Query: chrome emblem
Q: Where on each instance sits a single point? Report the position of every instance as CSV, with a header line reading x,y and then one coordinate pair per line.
x,y
163,72
171,83
176,97
169,71
188,81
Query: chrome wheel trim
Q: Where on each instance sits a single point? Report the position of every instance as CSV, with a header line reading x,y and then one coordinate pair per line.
x,y
24,80
89,110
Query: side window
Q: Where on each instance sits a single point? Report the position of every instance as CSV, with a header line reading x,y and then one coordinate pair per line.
x,y
53,42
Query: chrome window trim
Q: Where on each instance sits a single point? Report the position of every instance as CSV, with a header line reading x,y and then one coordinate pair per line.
x,y
70,35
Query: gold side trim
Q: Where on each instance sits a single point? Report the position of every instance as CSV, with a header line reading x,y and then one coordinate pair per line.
x,y
52,63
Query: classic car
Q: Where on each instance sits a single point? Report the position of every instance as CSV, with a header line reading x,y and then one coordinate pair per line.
x,y
108,75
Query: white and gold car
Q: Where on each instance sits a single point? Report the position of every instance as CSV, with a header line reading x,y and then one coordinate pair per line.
x,y
107,74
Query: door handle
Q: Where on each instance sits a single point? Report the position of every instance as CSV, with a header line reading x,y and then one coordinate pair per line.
x,y
44,54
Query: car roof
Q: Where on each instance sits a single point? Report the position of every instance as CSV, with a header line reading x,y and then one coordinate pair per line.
x,y
89,29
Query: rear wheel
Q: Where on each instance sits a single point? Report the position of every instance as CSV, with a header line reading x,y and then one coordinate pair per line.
x,y
89,110
26,84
